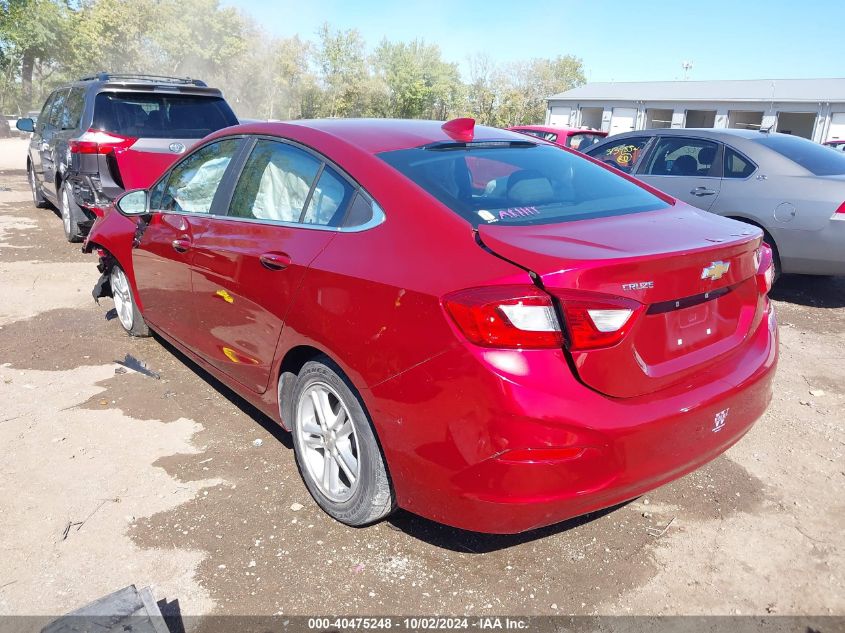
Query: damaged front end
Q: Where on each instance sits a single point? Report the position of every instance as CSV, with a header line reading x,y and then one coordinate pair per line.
x,y
103,286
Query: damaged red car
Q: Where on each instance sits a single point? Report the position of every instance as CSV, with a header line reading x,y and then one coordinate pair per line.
x,y
464,322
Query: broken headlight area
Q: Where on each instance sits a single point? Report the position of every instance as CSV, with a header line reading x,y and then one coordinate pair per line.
x,y
103,286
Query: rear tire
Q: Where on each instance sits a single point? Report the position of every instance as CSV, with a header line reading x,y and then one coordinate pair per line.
x,y
71,214
336,449
38,199
124,303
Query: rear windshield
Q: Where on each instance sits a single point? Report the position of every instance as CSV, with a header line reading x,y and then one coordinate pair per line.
x,y
525,184
815,158
150,115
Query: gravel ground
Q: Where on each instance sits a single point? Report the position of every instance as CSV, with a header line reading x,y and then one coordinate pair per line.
x,y
113,478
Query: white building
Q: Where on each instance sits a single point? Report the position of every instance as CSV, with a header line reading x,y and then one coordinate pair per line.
x,y
812,108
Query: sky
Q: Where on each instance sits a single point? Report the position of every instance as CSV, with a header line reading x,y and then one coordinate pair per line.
x,y
618,40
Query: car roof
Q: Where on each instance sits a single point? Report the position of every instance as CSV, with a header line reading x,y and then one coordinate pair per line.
x,y
373,135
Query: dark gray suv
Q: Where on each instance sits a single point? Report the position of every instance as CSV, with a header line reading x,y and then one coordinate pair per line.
x,y
102,135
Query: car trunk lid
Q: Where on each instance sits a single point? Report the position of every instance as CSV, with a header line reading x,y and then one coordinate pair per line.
x,y
687,276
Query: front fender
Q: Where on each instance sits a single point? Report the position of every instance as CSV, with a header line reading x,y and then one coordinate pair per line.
x,y
115,233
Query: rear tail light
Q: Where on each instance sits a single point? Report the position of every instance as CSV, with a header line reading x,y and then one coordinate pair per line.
x,y
594,321
99,142
505,316
765,268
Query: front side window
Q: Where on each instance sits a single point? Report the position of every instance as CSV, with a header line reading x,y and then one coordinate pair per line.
x,y
519,183
44,116
736,165
674,156
623,154
192,184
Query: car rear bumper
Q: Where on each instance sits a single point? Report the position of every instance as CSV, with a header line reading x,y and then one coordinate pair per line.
x,y
447,427
816,252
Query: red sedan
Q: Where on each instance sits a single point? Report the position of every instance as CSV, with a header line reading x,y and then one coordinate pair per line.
x,y
460,321
573,137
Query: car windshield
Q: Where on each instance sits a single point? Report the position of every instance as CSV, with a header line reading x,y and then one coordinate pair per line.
x,y
519,183
150,115
815,158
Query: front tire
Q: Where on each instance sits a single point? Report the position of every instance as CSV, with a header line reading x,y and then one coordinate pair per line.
x,y
124,303
336,450
71,214
38,199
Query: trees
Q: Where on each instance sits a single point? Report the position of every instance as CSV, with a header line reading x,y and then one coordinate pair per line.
x,y
33,33
45,42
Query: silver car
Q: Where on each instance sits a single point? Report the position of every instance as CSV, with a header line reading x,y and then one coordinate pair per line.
x,y
790,187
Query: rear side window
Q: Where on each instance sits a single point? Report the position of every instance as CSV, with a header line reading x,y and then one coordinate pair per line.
x,y
736,165
275,183
328,200
72,113
583,142
623,154
811,156
527,184
152,115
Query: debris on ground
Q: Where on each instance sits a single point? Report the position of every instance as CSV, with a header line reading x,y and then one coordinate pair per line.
x,y
125,609
257,442
818,393
296,507
658,533
130,362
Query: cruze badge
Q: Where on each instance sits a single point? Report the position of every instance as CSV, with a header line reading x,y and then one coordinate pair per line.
x,y
715,270
638,285
177,148
719,420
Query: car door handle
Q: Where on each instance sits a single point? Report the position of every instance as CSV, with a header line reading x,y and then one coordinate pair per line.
x,y
181,244
703,191
275,261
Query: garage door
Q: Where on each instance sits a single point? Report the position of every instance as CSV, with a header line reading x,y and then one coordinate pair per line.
x,y
837,127
560,116
623,120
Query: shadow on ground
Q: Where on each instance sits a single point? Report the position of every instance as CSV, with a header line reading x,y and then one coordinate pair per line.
x,y
810,290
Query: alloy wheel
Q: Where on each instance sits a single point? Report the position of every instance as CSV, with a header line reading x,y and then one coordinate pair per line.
x,y
66,212
33,186
328,442
122,296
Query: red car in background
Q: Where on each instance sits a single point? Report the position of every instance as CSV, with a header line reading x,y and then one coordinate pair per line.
x,y
461,321
572,137
838,145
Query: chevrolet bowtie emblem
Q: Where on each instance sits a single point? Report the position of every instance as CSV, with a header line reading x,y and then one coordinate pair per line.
x,y
715,270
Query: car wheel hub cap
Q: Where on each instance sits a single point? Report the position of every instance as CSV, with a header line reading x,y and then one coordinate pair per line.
x,y
328,442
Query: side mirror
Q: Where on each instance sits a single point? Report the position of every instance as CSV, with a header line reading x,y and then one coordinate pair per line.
x,y
133,203
25,125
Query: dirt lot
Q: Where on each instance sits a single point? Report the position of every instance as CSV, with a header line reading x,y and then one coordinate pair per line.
x,y
114,478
